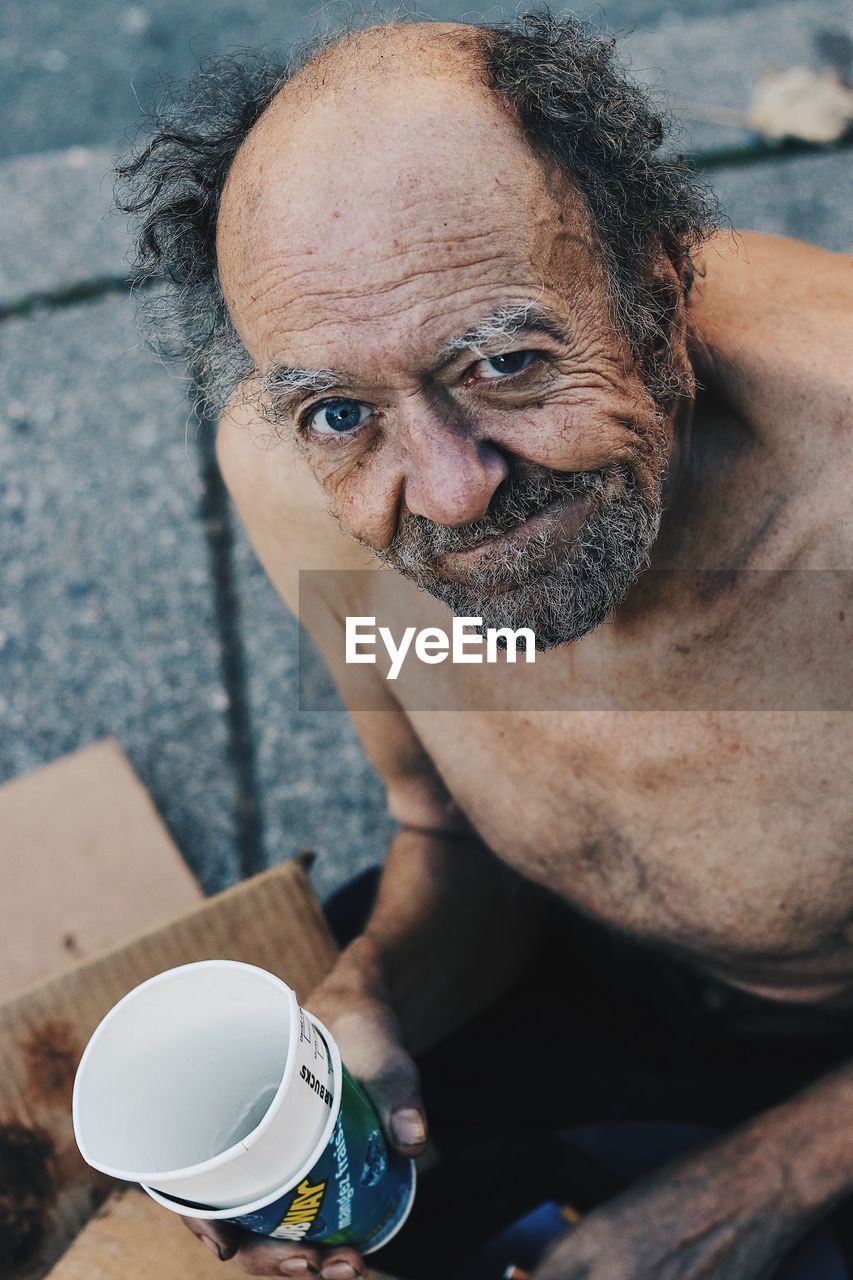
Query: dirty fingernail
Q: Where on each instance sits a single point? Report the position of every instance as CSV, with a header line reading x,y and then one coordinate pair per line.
x,y
212,1246
338,1271
297,1267
408,1127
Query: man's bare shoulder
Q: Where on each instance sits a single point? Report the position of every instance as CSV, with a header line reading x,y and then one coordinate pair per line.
x,y
772,318
286,513
772,282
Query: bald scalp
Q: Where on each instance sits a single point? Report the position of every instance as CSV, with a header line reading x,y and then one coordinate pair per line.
x,y
385,142
369,70
346,96
391,51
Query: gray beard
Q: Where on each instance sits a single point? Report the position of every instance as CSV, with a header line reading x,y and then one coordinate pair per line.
x,y
560,593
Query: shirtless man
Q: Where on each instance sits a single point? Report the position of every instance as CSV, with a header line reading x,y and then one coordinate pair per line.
x,y
444,379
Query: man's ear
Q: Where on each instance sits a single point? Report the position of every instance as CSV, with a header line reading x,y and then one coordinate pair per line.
x,y
681,263
671,282
667,362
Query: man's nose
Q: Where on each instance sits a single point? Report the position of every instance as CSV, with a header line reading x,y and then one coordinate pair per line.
x,y
450,471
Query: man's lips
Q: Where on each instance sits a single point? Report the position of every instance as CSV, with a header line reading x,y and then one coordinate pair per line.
x,y
566,514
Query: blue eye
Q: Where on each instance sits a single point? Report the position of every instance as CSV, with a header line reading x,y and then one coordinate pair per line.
x,y
337,417
506,365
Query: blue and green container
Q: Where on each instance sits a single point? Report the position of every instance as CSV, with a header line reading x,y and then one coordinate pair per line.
x,y
225,1100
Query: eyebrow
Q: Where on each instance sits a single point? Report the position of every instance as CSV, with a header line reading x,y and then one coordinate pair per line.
x,y
288,383
503,323
283,379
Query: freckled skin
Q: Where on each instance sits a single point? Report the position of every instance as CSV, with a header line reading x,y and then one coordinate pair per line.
x,y
366,221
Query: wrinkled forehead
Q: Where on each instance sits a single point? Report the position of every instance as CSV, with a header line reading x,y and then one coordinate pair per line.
x,y
367,184
362,166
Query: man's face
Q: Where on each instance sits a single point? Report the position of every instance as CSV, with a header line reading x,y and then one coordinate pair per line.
x,y
430,325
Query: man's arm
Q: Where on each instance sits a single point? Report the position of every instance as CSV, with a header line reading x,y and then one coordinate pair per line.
x,y
450,931
731,1210
451,927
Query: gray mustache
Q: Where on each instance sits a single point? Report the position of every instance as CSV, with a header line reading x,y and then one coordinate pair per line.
x,y
524,493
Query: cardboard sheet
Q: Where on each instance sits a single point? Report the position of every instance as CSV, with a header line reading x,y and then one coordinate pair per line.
x,y
85,864
132,1236
47,1193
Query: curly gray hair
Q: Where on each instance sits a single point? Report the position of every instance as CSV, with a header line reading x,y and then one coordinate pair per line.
x,y
580,112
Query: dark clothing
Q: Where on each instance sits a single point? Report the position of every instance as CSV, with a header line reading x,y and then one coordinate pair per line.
x,y
603,1062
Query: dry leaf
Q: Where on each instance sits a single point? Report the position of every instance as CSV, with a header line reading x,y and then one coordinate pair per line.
x,y
813,106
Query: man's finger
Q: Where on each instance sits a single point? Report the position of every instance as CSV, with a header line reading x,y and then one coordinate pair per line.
x,y
265,1257
371,1048
395,1092
343,1264
222,1240
407,1127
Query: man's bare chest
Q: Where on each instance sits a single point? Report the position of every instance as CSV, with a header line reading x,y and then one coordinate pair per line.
x,y
728,836
683,772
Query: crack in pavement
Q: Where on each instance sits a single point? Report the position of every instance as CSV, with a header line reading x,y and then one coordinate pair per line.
x,y
68,296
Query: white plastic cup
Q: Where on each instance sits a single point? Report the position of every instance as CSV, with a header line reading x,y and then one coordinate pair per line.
x,y
213,1089
207,1082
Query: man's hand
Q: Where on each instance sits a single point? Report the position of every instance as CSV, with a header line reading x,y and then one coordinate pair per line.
x,y
726,1213
367,1034
259,1256
400,987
